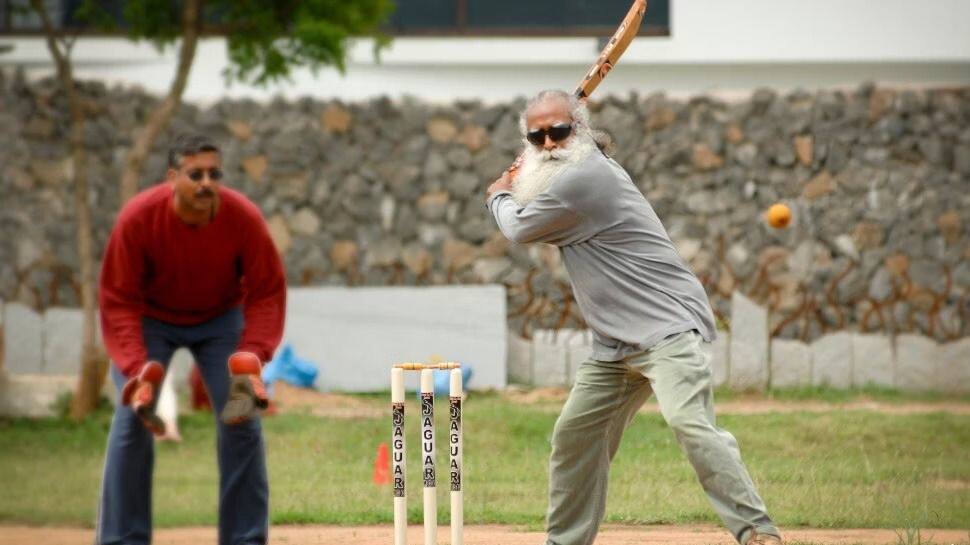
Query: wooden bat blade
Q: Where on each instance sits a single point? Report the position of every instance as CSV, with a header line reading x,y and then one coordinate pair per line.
x,y
614,48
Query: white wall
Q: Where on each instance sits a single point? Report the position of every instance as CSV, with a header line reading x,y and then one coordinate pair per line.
x,y
355,335
715,46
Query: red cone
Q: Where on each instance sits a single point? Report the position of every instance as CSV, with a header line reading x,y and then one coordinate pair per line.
x,y
382,465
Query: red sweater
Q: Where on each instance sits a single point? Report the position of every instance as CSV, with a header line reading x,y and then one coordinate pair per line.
x,y
157,265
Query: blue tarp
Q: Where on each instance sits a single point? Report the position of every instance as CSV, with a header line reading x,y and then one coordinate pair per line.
x,y
290,368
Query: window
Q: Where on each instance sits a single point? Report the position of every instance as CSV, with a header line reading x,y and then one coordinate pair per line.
x,y
522,17
422,17
18,17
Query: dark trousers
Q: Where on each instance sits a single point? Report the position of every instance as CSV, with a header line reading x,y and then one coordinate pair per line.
x,y
125,511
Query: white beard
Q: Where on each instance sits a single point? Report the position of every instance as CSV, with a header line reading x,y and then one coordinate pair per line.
x,y
541,167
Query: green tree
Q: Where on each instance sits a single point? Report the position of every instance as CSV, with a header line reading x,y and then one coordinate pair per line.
x,y
265,42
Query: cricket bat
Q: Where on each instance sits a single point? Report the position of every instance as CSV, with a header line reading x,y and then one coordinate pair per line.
x,y
614,49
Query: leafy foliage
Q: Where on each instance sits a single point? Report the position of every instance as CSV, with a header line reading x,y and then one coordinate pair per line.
x,y
314,33
266,40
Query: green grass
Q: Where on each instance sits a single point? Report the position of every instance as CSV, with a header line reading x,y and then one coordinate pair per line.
x,y
836,469
831,395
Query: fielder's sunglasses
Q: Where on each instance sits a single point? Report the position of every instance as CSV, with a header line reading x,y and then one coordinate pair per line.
x,y
196,174
557,133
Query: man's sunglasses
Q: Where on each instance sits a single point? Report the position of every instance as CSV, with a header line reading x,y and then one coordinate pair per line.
x,y
557,133
196,174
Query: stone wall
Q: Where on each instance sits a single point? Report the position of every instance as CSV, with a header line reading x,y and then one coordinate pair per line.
x,y
390,193
746,359
841,360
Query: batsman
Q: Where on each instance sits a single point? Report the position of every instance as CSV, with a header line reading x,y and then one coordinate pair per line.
x,y
648,313
189,263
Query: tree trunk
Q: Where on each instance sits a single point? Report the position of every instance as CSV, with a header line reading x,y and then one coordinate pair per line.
x,y
93,364
159,118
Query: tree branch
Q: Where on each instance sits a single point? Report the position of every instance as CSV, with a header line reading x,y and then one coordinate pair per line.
x,y
60,58
69,42
191,26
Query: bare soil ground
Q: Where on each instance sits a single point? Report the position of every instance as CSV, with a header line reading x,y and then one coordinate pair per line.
x,y
553,398
483,535
763,406
289,399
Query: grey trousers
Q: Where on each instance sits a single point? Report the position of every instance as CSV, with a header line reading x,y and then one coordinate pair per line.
x,y
604,399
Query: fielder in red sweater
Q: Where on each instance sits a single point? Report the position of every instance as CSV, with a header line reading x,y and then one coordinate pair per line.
x,y
189,264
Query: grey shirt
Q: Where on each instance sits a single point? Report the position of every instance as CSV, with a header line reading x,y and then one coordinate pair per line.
x,y
630,283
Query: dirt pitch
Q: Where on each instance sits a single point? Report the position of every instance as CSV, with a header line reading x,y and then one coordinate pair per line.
x,y
290,399
482,535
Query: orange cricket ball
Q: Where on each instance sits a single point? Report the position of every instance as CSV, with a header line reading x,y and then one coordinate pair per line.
x,y
779,216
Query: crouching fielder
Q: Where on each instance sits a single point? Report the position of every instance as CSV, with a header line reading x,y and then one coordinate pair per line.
x,y
649,315
189,263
